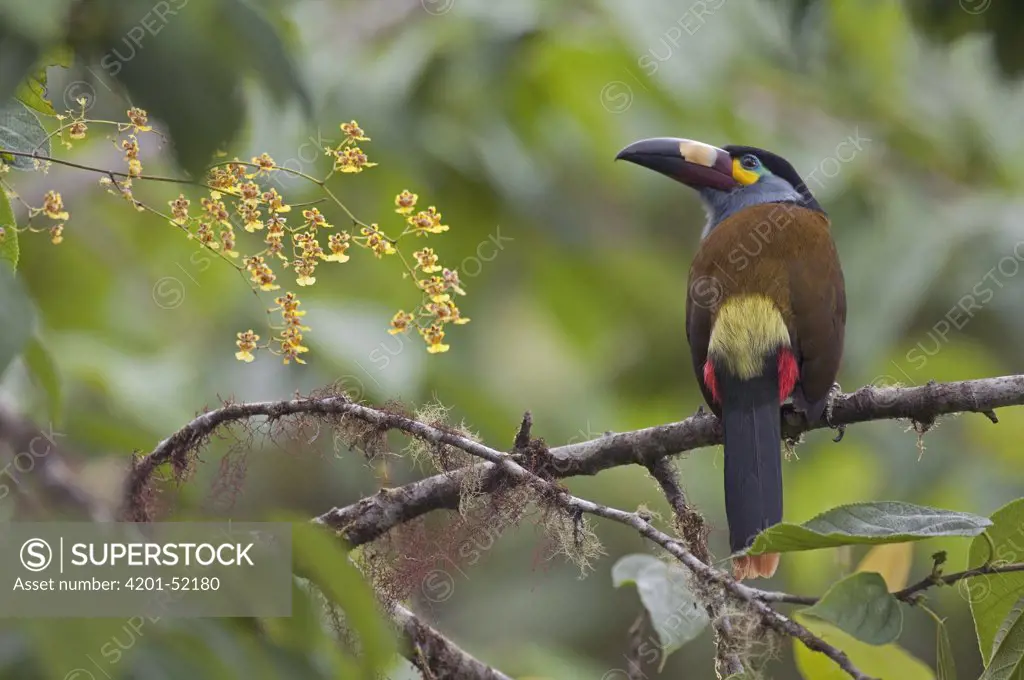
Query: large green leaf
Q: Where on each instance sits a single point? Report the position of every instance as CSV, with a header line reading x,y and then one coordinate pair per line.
x,y
861,605
20,131
1007,662
17,316
676,614
993,597
319,558
890,662
860,523
8,234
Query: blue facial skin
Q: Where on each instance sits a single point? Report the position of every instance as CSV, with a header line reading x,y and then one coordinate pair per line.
x,y
769,188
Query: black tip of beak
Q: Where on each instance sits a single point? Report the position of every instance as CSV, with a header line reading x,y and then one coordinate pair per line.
x,y
703,166
659,146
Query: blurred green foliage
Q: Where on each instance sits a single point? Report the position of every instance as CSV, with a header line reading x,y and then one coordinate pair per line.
x,y
907,120
185,67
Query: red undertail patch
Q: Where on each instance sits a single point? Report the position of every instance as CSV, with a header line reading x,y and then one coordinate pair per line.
x,y
710,382
787,373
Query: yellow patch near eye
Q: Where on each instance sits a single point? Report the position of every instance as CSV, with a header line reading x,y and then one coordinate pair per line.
x,y
741,174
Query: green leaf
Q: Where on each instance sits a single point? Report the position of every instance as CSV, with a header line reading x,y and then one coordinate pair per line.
x,y
864,523
17,315
9,236
20,131
890,662
32,93
992,597
861,605
1008,652
44,373
945,663
627,569
319,558
676,614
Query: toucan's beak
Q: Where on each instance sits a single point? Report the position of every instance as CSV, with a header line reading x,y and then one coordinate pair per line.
x,y
695,164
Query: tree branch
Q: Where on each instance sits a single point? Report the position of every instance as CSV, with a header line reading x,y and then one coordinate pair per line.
x,y
553,493
370,518
921,404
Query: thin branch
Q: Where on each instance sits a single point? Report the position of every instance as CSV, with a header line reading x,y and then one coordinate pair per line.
x,y
930,581
690,524
435,655
102,171
908,594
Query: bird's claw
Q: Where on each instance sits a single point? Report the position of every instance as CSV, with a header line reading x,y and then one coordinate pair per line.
x,y
830,402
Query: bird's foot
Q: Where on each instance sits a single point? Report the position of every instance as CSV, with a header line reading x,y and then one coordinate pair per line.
x,y
830,402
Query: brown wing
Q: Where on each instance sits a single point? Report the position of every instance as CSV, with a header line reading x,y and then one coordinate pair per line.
x,y
698,332
818,301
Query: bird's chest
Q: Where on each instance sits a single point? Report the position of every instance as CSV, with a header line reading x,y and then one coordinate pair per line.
x,y
750,254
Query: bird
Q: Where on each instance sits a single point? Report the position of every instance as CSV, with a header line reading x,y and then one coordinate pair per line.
x,y
765,316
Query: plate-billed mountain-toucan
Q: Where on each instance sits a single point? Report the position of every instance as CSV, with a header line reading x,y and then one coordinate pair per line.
x,y
765,315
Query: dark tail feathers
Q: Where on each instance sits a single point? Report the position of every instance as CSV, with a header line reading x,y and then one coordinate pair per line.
x,y
753,452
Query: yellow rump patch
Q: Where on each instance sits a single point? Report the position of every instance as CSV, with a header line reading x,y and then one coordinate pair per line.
x,y
747,328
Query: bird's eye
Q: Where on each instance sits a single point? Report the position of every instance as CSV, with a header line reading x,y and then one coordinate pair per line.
x,y
750,162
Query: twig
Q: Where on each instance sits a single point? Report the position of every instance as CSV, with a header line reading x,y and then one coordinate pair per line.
x,y
986,569
689,523
909,593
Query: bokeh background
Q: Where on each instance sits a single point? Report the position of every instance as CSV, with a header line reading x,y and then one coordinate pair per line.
x,y
906,121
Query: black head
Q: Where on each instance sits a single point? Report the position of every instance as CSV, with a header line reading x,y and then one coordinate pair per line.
x,y
777,166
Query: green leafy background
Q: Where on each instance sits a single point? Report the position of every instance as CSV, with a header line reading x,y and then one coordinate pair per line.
x,y
507,117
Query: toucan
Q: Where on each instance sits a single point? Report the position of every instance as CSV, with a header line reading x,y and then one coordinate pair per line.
x,y
765,315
